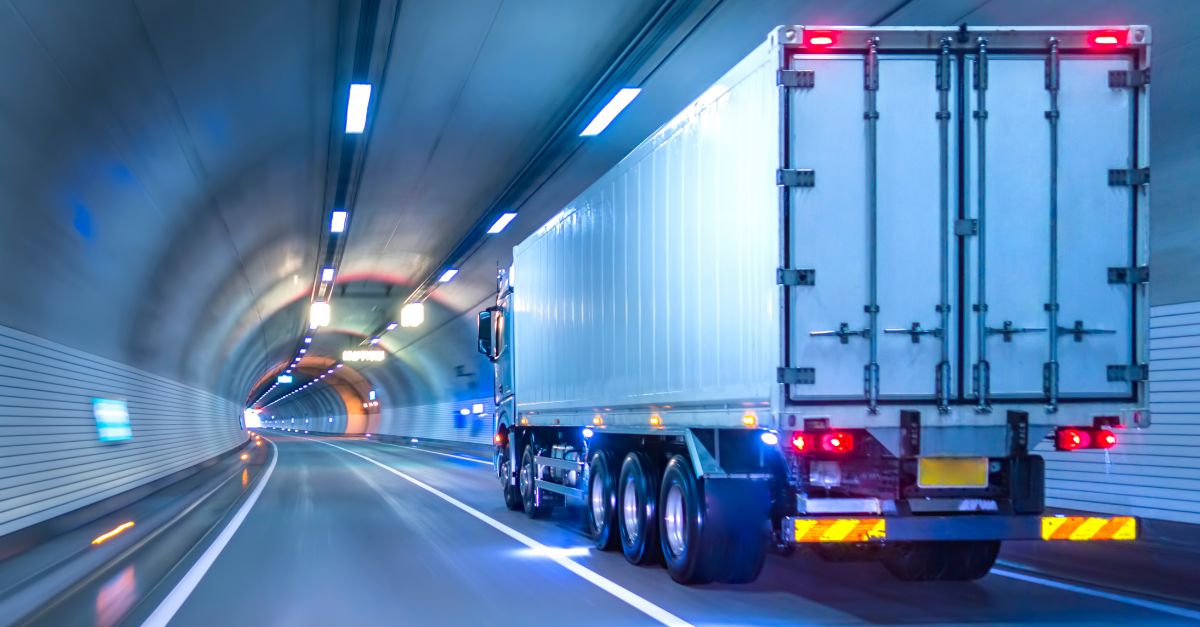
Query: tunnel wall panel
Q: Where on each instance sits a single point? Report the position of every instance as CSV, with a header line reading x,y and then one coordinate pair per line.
x,y
441,421
1155,472
51,460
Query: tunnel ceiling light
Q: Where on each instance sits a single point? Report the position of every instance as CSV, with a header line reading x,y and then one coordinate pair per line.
x,y
308,340
501,223
319,315
448,275
412,315
337,221
610,111
327,275
303,350
356,108
340,365
374,341
392,326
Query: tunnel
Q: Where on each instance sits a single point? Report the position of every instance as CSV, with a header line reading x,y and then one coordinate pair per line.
x,y
318,305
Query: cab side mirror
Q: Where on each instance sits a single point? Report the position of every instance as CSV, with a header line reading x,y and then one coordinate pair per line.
x,y
487,333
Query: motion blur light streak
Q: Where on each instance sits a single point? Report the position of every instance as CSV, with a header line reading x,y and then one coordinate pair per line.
x,y
105,537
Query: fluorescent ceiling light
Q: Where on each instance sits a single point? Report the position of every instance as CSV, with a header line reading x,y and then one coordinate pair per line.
x,y
610,111
337,221
356,107
412,315
501,222
391,326
308,340
327,275
319,315
448,275
374,341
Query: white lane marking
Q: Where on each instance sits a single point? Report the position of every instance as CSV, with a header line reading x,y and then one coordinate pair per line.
x,y
596,579
413,448
1100,594
175,599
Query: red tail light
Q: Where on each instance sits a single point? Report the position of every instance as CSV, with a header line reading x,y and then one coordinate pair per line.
x,y
1104,439
837,442
819,38
1107,38
801,443
1070,438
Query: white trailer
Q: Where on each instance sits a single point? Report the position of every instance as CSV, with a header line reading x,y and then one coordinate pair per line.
x,y
838,301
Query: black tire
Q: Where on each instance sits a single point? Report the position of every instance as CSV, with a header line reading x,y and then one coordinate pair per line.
x,y
941,561
512,492
637,509
527,486
690,546
601,508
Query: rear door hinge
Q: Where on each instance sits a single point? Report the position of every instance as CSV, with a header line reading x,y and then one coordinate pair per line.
x,y
966,227
796,79
1129,177
795,178
796,276
1129,276
1129,372
1128,79
796,376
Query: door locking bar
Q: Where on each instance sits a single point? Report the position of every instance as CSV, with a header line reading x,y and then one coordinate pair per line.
x,y
1050,368
915,332
1078,331
981,370
843,333
1008,330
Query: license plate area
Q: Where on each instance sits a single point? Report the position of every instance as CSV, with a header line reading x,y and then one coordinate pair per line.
x,y
952,472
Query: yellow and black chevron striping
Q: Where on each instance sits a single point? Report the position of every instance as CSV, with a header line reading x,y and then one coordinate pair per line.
x,y
840,529
1089,528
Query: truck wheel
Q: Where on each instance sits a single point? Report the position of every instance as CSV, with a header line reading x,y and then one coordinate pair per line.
x,y
512,493
691,552
602,502
941,561
637,511
528,486
969,561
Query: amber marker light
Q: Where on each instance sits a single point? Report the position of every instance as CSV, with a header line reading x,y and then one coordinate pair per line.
x,y
101,539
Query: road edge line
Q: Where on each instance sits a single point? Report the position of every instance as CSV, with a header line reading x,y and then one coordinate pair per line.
x,y
1100,594
183,589
615,589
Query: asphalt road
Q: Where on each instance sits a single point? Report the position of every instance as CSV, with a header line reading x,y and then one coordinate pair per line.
x,y
352,532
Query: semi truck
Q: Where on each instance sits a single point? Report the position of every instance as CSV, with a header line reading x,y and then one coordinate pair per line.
x,y
845,300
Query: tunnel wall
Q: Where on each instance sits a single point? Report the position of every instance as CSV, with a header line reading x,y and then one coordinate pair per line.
x,y
1155,472
53,461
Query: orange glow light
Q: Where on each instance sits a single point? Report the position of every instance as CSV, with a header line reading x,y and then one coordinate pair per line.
x,y
101,539
245,456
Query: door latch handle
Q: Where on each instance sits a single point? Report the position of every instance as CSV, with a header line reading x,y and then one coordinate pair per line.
x,y
915,332
1008,330
1078,331
843,333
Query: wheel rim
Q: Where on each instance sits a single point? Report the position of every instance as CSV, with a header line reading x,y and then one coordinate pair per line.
x,y
629,507
675,520
598,504
526,481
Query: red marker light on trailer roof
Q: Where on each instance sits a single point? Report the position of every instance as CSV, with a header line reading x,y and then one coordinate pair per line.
x,y
1107,38
819,38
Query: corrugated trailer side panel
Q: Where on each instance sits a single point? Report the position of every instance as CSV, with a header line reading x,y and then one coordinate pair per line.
x,y
656,285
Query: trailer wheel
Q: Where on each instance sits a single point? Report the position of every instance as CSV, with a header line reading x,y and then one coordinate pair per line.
x,y
637,512
941,561
528,486
602,502
690,543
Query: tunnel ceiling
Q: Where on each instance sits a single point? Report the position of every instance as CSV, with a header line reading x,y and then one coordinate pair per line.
x,y
168,167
